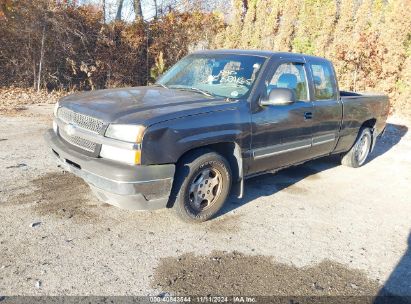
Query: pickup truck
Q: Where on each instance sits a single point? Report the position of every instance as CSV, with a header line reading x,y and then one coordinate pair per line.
x,y
211,121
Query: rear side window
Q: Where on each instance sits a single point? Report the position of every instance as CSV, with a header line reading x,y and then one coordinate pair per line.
x,y
323,81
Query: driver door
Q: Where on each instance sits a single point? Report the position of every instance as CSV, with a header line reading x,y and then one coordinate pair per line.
x,y
282,134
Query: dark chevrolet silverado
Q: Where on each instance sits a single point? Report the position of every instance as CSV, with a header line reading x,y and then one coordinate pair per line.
x,y
214,119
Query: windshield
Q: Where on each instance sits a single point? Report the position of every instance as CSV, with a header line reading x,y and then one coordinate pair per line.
x,y
224,75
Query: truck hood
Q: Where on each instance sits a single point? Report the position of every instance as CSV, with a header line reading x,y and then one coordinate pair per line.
x,y
142,105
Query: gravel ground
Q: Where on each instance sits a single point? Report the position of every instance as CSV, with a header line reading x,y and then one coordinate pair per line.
x,y
316,229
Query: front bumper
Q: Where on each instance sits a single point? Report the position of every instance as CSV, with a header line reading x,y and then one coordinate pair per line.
x,y
124,186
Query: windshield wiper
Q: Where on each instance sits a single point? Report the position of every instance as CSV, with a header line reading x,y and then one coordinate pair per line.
x,y
161,85
187,89
206,93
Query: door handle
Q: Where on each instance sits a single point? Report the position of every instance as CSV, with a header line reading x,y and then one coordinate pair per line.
x,y
308,115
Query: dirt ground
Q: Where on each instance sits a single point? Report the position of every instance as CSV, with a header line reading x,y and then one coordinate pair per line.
x,y
316,229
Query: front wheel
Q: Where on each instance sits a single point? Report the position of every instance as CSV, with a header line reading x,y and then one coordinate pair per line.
x,y
359,152
202,185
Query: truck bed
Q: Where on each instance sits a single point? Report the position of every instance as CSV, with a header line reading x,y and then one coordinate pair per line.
x,y
364,106
359,108
346,94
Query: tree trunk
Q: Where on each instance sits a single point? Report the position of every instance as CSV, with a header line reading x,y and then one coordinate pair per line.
x,y
355,79
156,9
119,9
34,74
104,10
245,6
43,38
137,9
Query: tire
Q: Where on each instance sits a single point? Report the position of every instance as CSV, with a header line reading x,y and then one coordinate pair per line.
x,y
359,152
201,186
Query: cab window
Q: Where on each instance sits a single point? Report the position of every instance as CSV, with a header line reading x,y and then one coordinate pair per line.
x,y
323,81
290,76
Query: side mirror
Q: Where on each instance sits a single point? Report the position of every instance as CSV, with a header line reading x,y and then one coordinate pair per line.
x,y
279,96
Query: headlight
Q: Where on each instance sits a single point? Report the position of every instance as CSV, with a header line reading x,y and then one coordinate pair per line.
x,y
129,133
132,157
56,107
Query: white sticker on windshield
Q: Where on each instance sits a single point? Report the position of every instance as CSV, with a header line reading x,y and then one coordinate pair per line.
x,y
234,93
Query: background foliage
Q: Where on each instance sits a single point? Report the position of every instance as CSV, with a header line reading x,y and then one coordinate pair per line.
x,y
57,45
369,41
45,44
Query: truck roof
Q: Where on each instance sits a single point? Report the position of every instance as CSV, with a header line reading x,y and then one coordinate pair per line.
x,y
261,53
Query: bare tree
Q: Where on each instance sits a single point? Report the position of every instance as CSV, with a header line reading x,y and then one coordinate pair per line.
x,y
103,4
155,9
119,9
137,9
43,37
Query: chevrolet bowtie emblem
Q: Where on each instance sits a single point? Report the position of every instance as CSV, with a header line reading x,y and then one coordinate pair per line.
x,y
70,129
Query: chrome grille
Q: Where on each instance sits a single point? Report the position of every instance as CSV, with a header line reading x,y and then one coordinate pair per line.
x,y
78,141
83,121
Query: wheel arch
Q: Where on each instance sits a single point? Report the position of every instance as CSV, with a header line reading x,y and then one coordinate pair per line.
x,y
370,123
231,151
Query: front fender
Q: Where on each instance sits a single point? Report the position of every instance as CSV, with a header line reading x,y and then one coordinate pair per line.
x,y
167,141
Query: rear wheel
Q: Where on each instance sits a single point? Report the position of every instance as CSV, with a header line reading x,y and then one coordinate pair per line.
x,y
202,185
358,154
